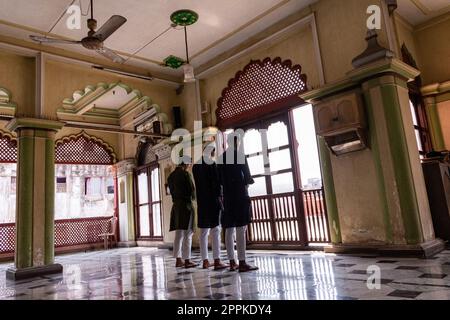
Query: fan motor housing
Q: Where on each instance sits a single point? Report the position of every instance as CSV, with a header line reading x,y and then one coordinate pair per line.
x,y
92,43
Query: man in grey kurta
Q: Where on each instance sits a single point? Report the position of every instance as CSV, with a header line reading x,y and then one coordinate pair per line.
x,y
183,214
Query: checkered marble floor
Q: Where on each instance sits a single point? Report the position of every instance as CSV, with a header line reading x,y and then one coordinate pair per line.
x,y
148,273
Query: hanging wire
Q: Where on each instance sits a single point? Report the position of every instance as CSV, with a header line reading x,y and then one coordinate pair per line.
x,y
60,17
148,43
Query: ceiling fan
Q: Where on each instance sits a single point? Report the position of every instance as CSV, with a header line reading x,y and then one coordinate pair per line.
x,y
95,39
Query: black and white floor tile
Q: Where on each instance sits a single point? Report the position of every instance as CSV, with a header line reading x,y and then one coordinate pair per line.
x,y
148,273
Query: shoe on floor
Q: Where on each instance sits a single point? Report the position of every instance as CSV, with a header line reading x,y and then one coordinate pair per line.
x,y
247,268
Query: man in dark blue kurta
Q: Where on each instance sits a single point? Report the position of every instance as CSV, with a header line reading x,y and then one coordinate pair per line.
x,y
235,177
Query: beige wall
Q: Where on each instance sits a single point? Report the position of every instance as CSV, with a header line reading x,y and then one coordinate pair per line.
x,y
433,44
405,35
17,74
444,116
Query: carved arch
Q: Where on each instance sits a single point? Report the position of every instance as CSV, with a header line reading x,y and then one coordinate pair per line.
x,y
261,88
82,148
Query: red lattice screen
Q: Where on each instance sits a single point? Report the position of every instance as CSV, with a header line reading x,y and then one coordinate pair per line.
x,y
8,149
260,88
68,233
7,237
83,149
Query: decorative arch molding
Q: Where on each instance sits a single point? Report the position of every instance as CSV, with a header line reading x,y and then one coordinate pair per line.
x,y
82,148
109,103
7,107
8,147
261,88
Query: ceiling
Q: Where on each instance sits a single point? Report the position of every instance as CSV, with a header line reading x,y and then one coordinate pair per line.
x,y
221,26
420,11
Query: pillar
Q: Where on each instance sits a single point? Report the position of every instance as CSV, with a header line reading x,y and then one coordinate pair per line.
x,y
376,197
125,182
34,254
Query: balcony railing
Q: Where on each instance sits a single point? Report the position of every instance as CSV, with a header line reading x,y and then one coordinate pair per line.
x,y
277,218
68,233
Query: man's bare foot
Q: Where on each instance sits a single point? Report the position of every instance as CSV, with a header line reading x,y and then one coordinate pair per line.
x,y
179,263
233,265
218,265
188,264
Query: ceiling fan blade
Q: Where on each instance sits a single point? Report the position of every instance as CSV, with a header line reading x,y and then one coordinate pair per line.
x,y
111,55
114,23
52,40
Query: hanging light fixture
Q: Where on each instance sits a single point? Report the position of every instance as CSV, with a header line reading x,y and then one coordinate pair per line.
x,y
185,18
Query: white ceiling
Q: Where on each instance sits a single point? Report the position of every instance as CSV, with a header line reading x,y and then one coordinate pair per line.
x,y
420,11
221,25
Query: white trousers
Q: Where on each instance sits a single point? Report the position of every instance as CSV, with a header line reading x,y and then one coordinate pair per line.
x,y
238,234
183,242
215,239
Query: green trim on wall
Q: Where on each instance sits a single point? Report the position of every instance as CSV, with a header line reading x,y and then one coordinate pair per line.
x,y
24,203
330,193
373,142
401,163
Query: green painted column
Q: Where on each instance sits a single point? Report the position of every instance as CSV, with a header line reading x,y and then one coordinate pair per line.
x,y
35,200
437,138
330,193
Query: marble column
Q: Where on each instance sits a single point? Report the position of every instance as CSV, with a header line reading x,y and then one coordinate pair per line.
x,y
34,254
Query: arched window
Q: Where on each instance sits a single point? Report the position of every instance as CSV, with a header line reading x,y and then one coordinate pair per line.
x,y
148,194
8,159
85,186
261,88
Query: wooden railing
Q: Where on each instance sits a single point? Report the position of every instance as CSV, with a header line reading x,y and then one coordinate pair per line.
x,y
277,219
316,216
68,233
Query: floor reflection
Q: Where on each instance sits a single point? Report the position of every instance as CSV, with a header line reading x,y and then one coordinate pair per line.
x,y
146,273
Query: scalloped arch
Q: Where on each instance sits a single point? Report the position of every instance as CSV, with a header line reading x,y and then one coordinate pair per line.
x,y
83,148
8,147
260,88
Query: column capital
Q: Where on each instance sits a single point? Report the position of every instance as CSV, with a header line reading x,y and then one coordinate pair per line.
x,y
125,166
34,123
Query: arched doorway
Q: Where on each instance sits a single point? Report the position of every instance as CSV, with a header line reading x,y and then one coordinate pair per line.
x,y
260,100
147,194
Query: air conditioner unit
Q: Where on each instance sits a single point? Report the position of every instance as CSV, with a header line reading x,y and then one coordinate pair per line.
x,y
342,123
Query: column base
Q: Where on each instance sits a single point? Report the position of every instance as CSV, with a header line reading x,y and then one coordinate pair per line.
x,y
26,273
424,250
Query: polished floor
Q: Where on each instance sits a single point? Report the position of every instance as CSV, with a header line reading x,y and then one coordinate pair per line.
x,y
147,273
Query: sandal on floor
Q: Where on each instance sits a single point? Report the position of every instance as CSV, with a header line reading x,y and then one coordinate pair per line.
x,y
220,266
189,265
247,268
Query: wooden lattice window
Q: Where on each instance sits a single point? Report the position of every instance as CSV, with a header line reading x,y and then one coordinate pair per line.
x,y
261,88
83,149
8,148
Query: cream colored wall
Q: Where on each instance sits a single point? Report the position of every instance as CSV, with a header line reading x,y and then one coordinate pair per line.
x,y
405,35
17,74
433,44
357,198
444,116
342,28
